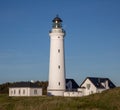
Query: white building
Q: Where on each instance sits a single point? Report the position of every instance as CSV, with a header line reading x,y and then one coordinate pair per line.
x,y
25,89
71,88
71,85
91,85
56,85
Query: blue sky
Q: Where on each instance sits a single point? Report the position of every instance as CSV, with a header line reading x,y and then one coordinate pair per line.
x,y
92,42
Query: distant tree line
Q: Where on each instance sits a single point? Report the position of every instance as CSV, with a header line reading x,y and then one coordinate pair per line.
x,y
44,85
4,88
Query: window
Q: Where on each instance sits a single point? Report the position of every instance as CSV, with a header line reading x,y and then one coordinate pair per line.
x,y
58,50
59,83
11,92
88,86
14,92
19,91
59,66
24,91
35,91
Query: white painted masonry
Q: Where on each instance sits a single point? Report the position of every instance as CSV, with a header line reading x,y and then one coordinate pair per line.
x,y
91,85
90,88
25,91
56,86
72,94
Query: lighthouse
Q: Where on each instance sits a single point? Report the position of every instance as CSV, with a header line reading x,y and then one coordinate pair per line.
x,y
56,84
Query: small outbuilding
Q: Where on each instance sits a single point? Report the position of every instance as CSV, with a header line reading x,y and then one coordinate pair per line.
x,y
25,89
71,88
71,85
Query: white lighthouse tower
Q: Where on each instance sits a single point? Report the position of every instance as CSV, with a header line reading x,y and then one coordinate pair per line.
x,y
56,85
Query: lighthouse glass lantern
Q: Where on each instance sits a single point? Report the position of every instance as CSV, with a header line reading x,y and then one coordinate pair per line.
x,y
57,22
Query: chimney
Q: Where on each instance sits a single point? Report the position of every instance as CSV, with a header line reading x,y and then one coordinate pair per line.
x,y
106,84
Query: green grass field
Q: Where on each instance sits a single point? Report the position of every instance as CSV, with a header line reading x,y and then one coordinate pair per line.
x,y
108,100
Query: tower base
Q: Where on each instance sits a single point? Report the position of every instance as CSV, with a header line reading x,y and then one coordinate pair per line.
x,y
55,92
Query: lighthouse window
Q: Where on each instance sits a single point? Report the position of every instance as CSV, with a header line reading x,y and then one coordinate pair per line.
x,y
59,83
59,66
58,50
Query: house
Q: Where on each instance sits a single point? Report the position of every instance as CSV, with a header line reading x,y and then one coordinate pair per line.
x,y
71,88
93,85
71,85
89,86
25,89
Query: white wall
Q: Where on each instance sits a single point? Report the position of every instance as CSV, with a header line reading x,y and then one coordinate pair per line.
x,y
35,91
56,85
81,90
89,87
92,89
25,91
18,92
72,94
99,90
55,93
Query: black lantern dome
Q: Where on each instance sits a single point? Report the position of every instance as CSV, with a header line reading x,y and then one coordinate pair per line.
x,y
57,22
